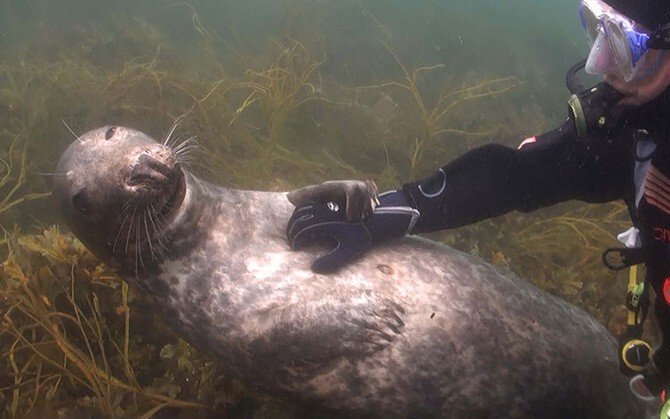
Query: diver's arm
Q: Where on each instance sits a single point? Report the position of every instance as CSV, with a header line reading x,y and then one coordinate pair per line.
x,y
483,183
494,179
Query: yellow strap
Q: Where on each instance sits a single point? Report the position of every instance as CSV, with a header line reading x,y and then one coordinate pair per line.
x,y
632,282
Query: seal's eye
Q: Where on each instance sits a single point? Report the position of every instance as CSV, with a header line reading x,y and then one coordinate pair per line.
x,y
80,202
110,133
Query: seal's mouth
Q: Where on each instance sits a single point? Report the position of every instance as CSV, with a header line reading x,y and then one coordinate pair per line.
x,y
157,181
150,171
154,188
177,195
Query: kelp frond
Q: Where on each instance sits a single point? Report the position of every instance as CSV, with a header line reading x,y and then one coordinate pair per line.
x,y
57,333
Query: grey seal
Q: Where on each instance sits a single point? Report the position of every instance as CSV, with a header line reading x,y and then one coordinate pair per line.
x,y
412,329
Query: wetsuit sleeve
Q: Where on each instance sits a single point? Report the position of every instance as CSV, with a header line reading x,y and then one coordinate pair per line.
x,y
494,179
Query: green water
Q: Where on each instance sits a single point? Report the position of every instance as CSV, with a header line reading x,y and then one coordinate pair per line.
x,y
224,66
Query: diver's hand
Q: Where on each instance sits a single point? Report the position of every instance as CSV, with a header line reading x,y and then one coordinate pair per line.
x,y
648,86
327,222
359,198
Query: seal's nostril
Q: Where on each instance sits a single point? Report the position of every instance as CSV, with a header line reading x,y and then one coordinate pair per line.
x,y
149,170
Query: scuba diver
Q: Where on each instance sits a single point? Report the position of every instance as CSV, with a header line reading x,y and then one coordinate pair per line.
x,y
615,145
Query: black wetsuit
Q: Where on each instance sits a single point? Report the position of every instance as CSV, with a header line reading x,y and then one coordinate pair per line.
x,y
558,166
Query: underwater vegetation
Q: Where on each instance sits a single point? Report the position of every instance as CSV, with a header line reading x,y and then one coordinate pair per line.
x,y
304,102
438,119
13,166
59,337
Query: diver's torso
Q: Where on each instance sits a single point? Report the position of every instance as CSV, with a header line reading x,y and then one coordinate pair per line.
x,y
653,210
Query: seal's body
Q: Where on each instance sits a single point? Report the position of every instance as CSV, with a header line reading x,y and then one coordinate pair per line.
x,y
413,329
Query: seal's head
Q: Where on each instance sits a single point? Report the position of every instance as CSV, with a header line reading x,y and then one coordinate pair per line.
x,y
117,188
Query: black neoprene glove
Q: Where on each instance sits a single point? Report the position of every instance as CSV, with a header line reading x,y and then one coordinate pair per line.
x,y
327,222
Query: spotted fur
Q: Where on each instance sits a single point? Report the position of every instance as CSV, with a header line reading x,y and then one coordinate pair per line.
x,y
412,329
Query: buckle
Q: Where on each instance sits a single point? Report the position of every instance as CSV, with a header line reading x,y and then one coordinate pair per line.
x,y
618,258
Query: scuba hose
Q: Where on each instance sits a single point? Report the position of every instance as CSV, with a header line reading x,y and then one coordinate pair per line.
x,y
572,81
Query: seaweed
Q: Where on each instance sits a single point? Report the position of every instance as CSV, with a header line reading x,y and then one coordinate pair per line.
x,y
13,178
279,90
59,334
435,118
559,250
562,254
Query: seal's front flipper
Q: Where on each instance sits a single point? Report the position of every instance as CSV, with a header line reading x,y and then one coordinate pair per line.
x,y
358,197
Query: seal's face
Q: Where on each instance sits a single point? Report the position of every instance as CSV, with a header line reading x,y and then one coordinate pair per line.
x,y
117,188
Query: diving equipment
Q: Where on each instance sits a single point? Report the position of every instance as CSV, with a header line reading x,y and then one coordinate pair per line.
x,y
650,13
635,354
595,109
660,38
617,43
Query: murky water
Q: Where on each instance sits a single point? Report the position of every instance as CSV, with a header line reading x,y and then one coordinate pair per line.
x,y
280,94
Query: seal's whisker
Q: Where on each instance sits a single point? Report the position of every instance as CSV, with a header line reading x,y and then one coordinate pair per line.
x,y
159,220
192,140
138,253
185,159
185,150
169,136
50,174
70,129
192,164
160,234
146,230
130,228
184,156
172,130
176,140
162,226
185,146
172,141
126,208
